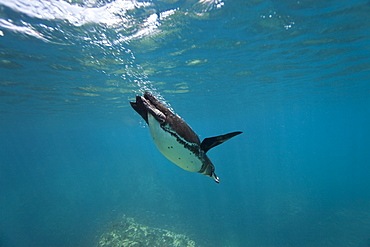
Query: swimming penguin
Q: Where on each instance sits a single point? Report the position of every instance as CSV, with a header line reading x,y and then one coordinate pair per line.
x,y
175,139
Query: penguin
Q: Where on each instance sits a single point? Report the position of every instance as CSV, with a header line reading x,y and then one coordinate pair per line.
x,y
175,139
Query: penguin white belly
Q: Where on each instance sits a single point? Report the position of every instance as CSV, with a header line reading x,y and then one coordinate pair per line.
x,y
172,149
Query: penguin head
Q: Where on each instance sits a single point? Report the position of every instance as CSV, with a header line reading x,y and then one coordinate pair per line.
x,y
209,168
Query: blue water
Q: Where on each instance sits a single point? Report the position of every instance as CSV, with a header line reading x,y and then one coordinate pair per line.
x,y
294,76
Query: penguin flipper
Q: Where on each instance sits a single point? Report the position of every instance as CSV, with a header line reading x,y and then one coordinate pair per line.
x,y
211,142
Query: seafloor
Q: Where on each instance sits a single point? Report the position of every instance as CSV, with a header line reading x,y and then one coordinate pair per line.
x,y
129,233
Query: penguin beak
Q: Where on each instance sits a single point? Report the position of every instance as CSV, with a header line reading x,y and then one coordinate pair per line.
x,y
217,179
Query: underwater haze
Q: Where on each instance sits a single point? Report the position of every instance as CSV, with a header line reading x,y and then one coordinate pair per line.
x,y
75,158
